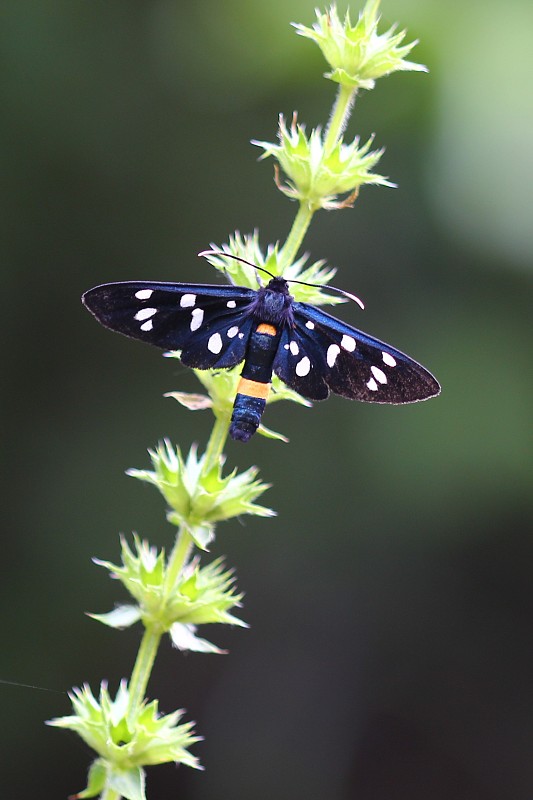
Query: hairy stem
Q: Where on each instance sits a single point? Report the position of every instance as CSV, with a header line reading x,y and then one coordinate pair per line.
x,y
337,123
217,440
340,115
177,559
143,668
299,228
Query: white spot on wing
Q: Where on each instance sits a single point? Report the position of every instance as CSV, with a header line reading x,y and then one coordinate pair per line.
x,y
144,294
285,346
294,348
214,343
197,318
187,300
372,385
231,304
333,352
241,335
388,359
378,374
147,326
233,331
348,343
310,325
303,367
145,313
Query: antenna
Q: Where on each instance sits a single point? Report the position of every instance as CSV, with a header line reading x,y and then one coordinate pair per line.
x,y
349,295
237,258
343,292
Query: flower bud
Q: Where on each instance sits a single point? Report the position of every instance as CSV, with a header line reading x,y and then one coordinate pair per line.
x,y
358,54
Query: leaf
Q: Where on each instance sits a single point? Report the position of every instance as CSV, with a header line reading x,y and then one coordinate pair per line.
x,y
184,638
95,780
121,617
270,434
130,785
194,402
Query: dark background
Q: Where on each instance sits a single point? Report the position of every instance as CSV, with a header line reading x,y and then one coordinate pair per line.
x,y
390,602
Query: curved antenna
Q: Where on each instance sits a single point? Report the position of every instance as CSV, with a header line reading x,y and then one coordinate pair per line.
x,y
343,292
237,258
328,288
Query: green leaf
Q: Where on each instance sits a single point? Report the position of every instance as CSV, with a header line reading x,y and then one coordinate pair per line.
x,y
96,780
280,391
270,434
130,784
202,535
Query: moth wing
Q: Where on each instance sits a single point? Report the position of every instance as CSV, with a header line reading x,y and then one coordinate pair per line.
x,y
348,362
209,324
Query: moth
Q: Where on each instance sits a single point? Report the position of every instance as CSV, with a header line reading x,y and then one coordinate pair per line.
x,y
220,326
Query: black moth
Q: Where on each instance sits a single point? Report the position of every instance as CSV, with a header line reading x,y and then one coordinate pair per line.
x,y
217,327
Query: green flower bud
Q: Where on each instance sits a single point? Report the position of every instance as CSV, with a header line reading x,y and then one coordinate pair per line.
x,y
199,498
196,596
357,54
125,741
248,247
317,175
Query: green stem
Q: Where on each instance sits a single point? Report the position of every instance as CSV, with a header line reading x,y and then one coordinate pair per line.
x,y
337,123
216,442
299,228
339,116
177,560
183,545
143,668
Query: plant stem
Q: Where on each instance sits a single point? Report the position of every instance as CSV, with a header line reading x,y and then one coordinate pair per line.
x,y
143,668
299,228
177,559
339,116
216,442
337,123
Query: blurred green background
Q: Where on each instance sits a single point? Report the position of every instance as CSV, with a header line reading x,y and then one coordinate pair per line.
x,y
390,602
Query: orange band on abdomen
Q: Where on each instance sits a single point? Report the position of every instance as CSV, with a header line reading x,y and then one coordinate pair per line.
x,y
264,327
253,388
